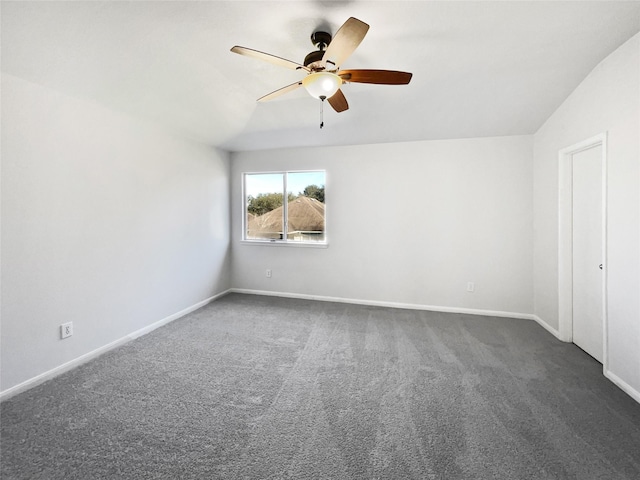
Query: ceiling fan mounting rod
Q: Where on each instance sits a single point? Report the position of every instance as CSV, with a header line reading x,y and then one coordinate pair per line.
x,y
321,40
313,61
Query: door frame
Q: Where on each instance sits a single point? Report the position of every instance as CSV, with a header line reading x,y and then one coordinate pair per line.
x,y
565,240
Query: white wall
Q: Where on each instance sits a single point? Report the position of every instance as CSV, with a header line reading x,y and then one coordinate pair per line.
x,y
106,222
408,223
608,100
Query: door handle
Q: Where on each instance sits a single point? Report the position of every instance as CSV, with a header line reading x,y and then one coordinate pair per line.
x,y
600,267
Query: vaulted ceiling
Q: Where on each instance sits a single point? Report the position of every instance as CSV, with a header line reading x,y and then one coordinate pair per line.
x,y
481,68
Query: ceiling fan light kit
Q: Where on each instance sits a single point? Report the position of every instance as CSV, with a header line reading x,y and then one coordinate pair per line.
x,y
324,78
322,85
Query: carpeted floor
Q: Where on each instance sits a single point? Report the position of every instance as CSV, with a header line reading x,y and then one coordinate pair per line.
x,y
256,387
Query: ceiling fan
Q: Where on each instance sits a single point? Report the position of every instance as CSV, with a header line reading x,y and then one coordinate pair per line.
x,y
324,77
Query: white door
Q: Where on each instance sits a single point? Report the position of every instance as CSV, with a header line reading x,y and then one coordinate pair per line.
x,y
587,270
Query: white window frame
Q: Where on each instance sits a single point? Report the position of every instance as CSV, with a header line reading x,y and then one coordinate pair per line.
x,y
284,241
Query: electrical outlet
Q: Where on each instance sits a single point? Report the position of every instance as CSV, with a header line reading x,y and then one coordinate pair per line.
x,y
66,330
471,286
268,273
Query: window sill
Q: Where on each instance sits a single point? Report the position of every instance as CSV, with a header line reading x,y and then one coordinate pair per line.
x,y
262,243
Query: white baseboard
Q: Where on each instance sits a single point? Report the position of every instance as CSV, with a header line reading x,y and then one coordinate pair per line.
x,y
43,377
376,303
547,327
624,386
65,367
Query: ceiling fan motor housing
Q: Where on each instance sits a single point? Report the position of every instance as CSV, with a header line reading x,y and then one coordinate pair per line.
x,y
313,58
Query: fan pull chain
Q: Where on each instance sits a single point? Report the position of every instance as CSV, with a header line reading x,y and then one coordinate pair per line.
x,y
322,111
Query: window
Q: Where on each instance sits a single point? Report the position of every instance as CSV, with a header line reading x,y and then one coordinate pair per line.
x,y
267,217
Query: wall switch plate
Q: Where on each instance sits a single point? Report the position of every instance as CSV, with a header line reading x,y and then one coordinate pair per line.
x,y
268,273
471,286
66,330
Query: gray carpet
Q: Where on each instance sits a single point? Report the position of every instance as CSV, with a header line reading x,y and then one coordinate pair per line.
x,y
256,387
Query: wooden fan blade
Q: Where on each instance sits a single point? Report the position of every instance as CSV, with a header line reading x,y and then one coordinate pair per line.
x,y
267,57
381,77
338,102
344,42
280,91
